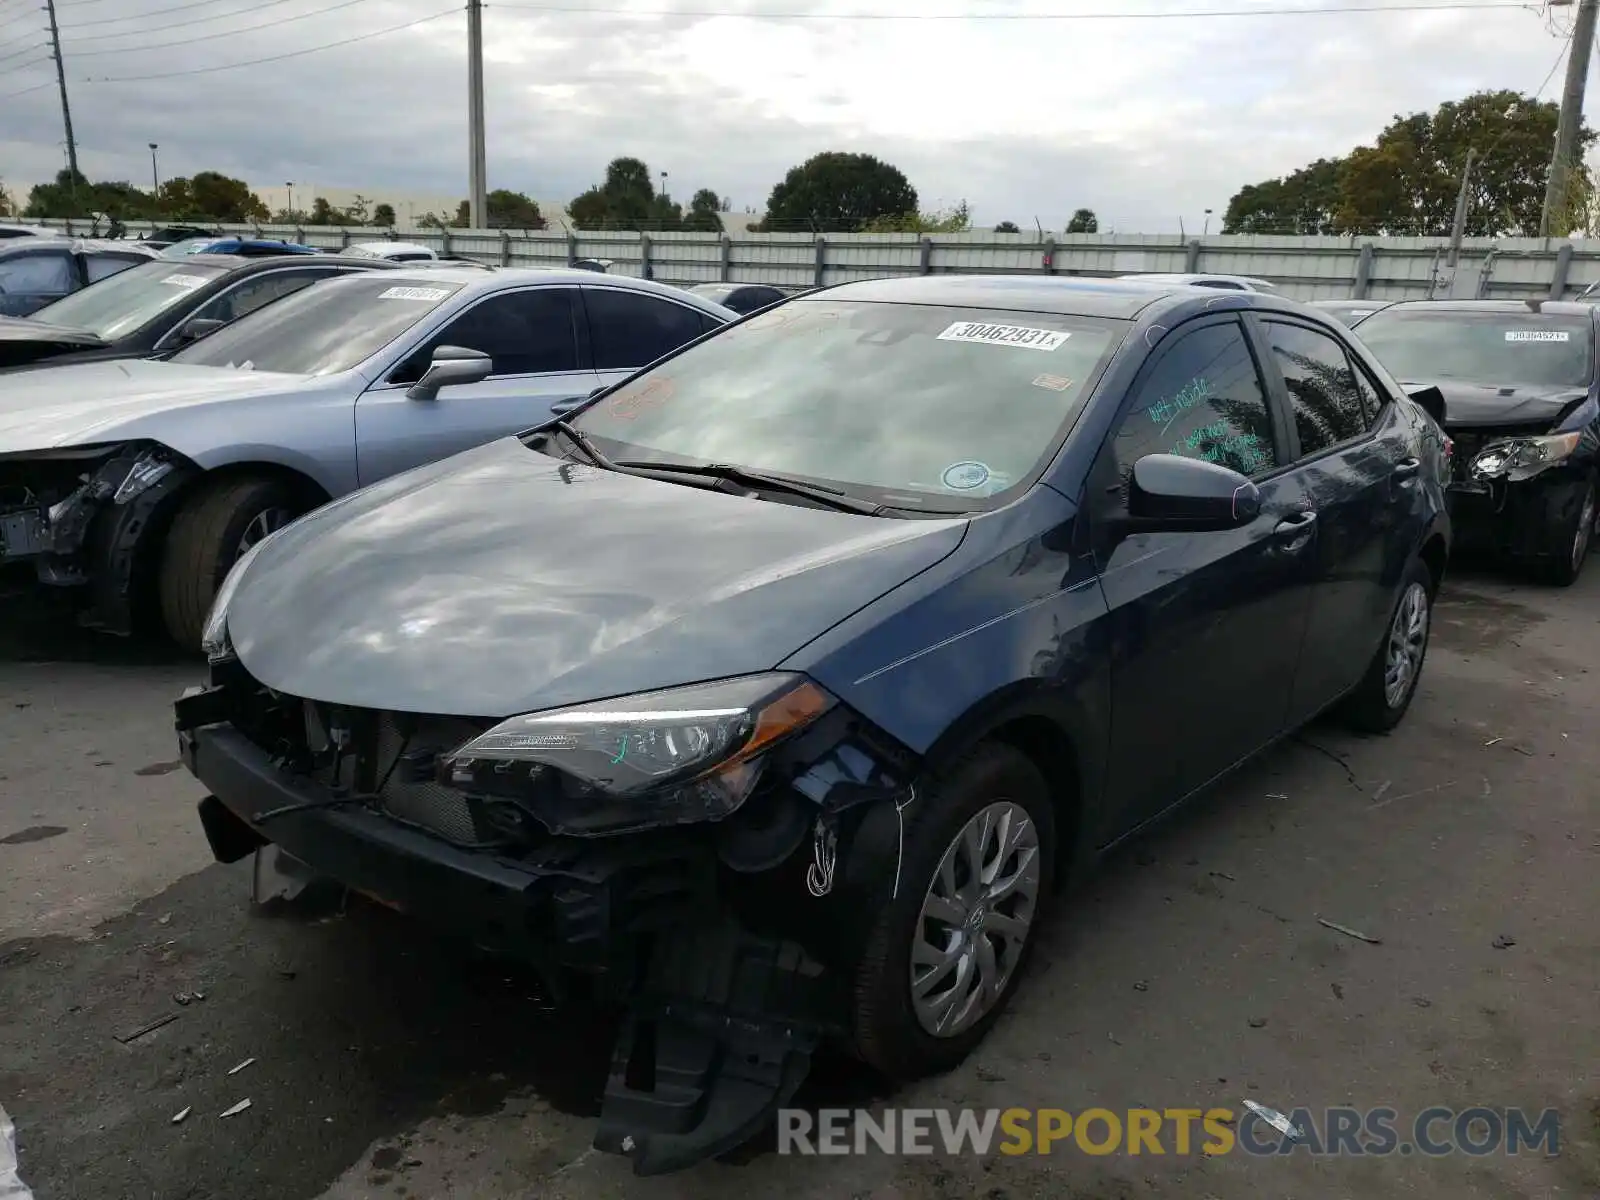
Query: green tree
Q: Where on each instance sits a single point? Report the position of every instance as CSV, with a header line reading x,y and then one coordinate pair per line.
x,y
357,212
626,200
507,210
8,206
1007,227
590,210
383,215
954,220
68,195
223,198
430,220
836,192
704,212
1084,221
1406,181
323,213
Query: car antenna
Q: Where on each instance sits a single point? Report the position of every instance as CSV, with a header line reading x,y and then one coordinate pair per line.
x,y
1533,303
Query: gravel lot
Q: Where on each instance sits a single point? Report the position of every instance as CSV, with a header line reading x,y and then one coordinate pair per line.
x,y
1192,973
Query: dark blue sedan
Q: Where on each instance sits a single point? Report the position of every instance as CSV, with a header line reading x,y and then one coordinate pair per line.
x,y
774,695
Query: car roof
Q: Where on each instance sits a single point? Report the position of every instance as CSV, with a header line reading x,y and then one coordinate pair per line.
x,y
386,244
1072,296
1550,308
502,278
78,245
1193,276
266,262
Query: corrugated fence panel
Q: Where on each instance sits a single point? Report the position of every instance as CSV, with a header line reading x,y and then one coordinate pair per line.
x,y
1305,267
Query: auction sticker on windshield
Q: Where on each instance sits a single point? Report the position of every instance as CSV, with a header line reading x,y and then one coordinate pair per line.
x,y
413,293
1021,336
1538,335
185,281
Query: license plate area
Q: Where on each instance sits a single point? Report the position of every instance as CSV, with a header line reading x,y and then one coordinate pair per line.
x,y
22,533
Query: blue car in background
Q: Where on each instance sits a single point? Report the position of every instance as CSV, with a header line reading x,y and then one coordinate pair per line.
x,y
246,247
773,693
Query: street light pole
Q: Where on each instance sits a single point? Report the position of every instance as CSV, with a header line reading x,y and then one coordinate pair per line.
x,y
155,176
290,207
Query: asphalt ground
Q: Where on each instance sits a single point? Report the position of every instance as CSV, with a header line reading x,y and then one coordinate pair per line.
x,y
1192,973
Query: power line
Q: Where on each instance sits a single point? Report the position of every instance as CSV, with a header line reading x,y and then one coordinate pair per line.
x,y
32,62
158,12
21,52
1058,16
210,37
24,91
23,15
253,62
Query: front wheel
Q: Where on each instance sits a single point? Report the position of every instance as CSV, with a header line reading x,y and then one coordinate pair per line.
x,y
1385,691
946,954
1576,537
213,528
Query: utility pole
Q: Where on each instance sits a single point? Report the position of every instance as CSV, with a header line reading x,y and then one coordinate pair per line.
x,y
477,168
1458,227
66,111
155,175
1566,151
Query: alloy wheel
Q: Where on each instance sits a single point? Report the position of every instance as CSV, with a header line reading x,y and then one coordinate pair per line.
x,y
1408,639
1580,537
267,521
975,920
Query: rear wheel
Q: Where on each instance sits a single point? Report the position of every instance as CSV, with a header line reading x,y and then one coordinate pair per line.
x,y
945,955
1577,535
213,528
1384,694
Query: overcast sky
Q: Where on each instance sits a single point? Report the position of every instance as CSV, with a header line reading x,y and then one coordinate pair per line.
x,y
1145,121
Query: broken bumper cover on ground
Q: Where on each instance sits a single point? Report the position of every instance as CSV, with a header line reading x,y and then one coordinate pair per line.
x,y
721,1022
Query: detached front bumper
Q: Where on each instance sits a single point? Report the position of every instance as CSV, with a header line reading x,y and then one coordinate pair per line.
x,y
722,1021
1527,520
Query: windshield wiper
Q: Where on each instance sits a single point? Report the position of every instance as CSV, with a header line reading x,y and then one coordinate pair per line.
x,y
831,497
581,440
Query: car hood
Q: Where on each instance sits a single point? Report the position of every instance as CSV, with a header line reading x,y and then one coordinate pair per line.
x,y
1469,404
20,329
74,405
503,581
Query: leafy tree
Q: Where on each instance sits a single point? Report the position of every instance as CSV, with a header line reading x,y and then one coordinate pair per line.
x,y
627,200
704,212
291,216
430,220
590,210
836,192
1007,227
67,196
383,215
224,198
8,206
507,210
1406,182
1084,221
323,213
357,212
955,220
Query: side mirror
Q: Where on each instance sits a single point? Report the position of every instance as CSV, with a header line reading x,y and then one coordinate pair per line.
x,y
1171,492
1431,401
451,365
198,328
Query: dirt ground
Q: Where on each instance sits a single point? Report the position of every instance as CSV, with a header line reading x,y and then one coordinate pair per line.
x,y
1192,973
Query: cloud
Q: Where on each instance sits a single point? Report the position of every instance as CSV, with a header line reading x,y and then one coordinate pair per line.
x,y
1146,121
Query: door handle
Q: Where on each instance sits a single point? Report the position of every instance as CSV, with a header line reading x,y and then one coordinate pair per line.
x,y
1295,524
1407,468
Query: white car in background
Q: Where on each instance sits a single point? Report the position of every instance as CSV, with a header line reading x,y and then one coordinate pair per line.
x,y
393,251
9,230
1232,283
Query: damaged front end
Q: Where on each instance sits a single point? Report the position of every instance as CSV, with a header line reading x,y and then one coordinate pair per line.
x,y
700,857
1515,489
76,517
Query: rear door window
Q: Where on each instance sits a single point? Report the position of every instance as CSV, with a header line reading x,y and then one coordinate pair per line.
x,y
630,329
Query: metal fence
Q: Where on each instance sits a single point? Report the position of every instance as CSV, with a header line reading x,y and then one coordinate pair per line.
x,y
1308,268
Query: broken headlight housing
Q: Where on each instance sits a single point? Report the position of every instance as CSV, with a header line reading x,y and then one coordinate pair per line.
x,y
1516,459
679,756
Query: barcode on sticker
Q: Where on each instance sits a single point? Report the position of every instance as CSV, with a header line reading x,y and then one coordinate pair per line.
x,y
186,281
1538,335
1021,336
413,293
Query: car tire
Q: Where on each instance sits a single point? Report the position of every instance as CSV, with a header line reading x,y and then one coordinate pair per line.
x,y
217,524
890,1025
1577,535
1384,694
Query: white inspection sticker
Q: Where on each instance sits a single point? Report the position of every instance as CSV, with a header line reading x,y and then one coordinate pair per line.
x,y
1538,335
1021,336
413,293
186,281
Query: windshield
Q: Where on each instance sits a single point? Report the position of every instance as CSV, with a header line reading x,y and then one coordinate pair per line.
x,y
123,302
912,406
321,330
1496,348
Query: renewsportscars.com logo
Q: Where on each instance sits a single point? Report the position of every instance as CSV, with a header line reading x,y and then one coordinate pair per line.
x,y
1255,1130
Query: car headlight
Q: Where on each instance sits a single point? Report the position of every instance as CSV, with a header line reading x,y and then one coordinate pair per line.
x,y
672,757
214,639
1522,458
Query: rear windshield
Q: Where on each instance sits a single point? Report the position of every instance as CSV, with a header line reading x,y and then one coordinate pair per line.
x,y
907,405
1498,348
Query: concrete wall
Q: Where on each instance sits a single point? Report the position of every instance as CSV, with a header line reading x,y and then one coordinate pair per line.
x,y
1307,268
